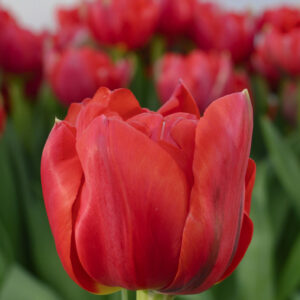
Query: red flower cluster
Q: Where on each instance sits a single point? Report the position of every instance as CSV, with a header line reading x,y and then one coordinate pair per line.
x,y
150,200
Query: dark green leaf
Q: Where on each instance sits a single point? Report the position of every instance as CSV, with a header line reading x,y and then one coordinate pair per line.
x,y
20,285
284,161
255,273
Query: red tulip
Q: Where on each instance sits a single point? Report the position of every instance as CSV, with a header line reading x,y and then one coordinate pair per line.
x,y
175,16
77,73
72,28
216,29
282,18
127,22
208,76
278,52
150,200
20,49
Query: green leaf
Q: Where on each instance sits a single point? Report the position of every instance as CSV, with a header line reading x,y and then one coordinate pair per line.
x,y
10,214
21,111
290,277
279,207
284,161
6,256
20,285
255,273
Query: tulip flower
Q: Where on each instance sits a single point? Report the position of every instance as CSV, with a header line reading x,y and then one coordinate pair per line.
x,y
75,74
130,23
216,29
20,49
277,52
208,76
72,28
150,200
175,17
283,18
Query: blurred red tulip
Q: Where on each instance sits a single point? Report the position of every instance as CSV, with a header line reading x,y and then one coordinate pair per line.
x,y
72,28
20,49
76,74
208,76
282,18
175,16
277,52
216,29
150,200
130,23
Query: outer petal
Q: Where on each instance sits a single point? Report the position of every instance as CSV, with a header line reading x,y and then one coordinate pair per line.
x,y
212,229
61,176
73,112
123,235
180,101
247,226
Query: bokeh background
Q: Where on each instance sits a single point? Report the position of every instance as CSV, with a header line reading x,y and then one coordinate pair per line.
x,y
29,265
39,14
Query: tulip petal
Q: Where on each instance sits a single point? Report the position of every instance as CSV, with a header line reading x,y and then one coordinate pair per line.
x,y
124,102
180,101
129,227
73,112
247,226
212,229
61,176
119,102
245,239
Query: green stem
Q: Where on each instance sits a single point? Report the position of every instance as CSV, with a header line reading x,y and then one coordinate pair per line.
x,y
151,295
124,294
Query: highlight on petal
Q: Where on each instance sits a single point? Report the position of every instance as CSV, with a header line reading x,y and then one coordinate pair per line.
x,y
123,234
213,225
180,101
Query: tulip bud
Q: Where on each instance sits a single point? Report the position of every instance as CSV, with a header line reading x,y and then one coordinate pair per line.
x,y
20,49
175,17
150,200
217,29
75,74
208,76
130,23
